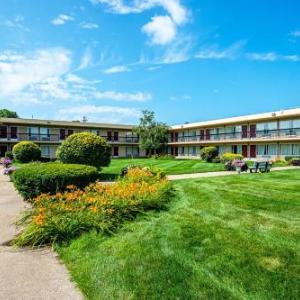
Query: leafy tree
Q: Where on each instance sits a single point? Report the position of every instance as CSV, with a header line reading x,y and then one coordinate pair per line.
x,y
153,135
85,148
5,113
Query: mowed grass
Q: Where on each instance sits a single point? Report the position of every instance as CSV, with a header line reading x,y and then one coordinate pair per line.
x,y
231,237
170,166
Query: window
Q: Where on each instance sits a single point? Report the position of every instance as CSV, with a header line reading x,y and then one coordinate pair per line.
x,y
286,149
182,150
267,149
194,153
45,151
70,132
33,133
266,129
296,149
45,134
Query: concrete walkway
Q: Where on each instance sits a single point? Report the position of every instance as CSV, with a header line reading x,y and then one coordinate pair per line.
x,y
28,274
222,173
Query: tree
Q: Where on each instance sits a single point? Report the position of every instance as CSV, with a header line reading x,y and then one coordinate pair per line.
x,y
5,113
153,135
85,148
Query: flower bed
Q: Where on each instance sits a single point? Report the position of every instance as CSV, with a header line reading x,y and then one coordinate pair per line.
x,y
63,216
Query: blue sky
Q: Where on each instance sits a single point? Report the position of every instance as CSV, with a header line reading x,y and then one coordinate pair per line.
x,y
187,60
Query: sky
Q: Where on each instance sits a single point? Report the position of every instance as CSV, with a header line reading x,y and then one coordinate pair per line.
x,y
186,60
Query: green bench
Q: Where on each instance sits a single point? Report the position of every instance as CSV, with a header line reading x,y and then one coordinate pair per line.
x,y
260,166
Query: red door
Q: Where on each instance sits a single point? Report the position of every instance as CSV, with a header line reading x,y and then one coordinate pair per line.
x,y
109,135
176,137
245,150
244,131
172,151
176,151
13,133
116,136
202,134
116,151
252,151
70,132
62,134
3,132
253,130
207,134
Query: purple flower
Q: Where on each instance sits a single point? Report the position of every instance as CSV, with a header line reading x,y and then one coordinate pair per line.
x,y
6,162
8,171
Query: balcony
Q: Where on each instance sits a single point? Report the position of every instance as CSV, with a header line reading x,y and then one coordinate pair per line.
x,y
280,134
57,138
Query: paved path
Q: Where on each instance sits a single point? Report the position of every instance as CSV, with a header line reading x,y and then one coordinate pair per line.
x,y
222,173
28,274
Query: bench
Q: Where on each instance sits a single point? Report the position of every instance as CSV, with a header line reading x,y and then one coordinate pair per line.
x,y
261,166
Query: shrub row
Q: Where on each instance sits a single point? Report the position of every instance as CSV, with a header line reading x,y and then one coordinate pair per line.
x,y
98,207
36,178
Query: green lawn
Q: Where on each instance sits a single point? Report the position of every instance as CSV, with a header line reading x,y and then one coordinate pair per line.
x,y
234,237
170,166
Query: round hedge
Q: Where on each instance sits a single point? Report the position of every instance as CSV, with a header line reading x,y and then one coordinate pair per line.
x,y
209,153
26,152
36,178
85,148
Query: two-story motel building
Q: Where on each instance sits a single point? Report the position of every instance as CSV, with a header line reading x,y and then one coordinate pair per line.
x,y
269,135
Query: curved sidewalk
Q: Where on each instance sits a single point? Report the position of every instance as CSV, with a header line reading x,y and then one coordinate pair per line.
x,y
28,274
221,173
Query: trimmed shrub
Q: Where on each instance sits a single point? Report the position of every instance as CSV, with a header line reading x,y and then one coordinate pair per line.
x,y
26,152
226,157
9,155
295,161
156,172
99,207
216,160
209,153
85,148
36,178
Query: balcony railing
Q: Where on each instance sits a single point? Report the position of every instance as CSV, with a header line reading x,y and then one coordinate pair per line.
x,y
58,138
249,135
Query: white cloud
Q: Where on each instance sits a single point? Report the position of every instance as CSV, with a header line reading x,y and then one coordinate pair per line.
x,y
212,52
116,69
87,25
17,75
104,114
161,30
272,56
178,52
61,20
15,23
118,96
295,33
86,59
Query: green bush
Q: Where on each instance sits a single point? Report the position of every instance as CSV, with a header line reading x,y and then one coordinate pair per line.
x,y
85,148
289,158
9,155
26,152
226,157
295,161
209,153
36,178
216,160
